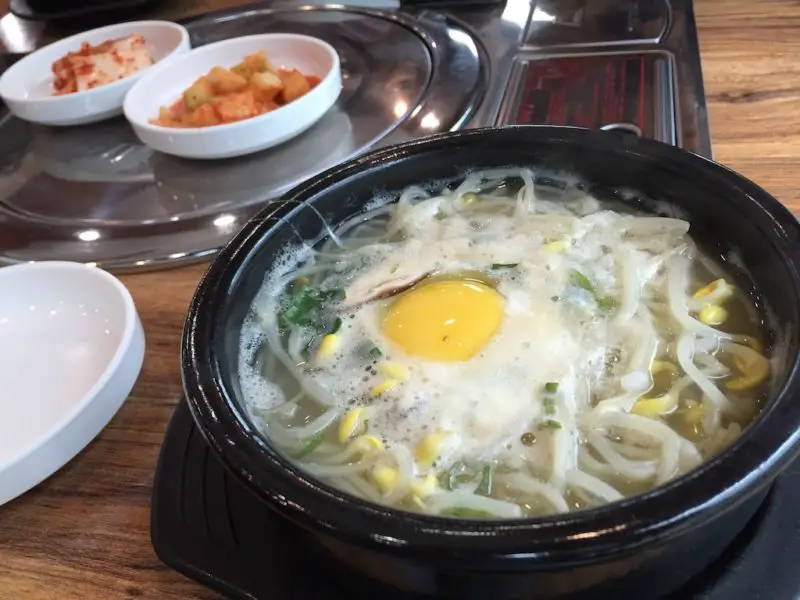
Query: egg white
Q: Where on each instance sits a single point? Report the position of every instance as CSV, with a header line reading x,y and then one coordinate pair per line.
x,y
488,402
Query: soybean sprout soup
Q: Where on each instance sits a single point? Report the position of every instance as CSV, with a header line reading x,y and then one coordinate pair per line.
x,y
501,348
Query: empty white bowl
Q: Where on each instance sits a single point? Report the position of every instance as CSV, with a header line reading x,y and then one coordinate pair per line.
x,y
165,84
71,348
26,87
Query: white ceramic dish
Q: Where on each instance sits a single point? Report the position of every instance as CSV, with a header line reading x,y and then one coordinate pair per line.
x,y
26,87
71,348
163,85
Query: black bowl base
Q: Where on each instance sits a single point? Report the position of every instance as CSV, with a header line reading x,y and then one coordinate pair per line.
x,y
206,525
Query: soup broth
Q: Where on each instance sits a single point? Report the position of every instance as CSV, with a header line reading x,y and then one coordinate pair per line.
x,y
503,347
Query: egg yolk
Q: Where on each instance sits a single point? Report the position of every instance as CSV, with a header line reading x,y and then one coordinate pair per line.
x,y
447,320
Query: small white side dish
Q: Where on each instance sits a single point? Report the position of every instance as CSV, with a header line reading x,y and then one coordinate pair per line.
x,y
163,85
26,87
71,348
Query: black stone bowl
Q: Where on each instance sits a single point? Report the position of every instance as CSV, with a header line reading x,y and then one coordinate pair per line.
x,y
641,547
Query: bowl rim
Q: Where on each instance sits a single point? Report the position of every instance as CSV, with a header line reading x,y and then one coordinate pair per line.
x,y
184,41
739,471
131,319
209,49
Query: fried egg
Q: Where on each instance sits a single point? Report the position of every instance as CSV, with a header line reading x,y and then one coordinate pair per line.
x,y
474,352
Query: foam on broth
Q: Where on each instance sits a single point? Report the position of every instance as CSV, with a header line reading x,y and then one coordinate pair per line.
x,y
506,345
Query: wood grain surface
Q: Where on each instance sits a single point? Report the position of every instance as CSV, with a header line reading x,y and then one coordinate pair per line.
x,y
84,533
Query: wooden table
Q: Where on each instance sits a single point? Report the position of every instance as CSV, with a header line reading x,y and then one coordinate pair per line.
x,y
85,533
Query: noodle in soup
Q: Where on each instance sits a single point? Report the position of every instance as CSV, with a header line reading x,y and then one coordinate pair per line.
x,y
502,348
